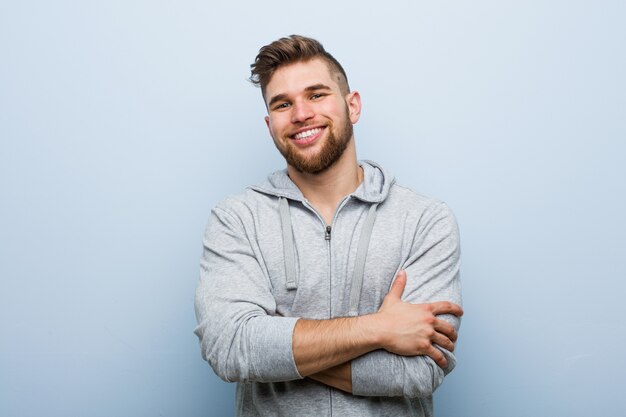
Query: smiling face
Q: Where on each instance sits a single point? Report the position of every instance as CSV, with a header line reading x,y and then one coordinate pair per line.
x,y
309,117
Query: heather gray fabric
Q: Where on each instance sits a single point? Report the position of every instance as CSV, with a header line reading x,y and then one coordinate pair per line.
x,y
288,246
359,267
267,262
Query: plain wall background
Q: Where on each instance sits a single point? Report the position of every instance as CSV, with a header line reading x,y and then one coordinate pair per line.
x,y
122,123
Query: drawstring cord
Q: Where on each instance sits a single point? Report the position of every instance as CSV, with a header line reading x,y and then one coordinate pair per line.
x,y
289,253
361,256
288,246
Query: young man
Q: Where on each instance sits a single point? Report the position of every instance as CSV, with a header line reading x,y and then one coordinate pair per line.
x,y
328,289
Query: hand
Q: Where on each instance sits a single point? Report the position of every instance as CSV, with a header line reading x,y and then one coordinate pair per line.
x,y
413,329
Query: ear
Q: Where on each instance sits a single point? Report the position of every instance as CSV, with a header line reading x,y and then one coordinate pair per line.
x,y
353,100
269,128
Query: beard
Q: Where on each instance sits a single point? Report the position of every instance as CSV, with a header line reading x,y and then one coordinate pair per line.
x,y
332,149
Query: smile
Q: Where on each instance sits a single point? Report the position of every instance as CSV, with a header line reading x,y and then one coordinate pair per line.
x,y
308,136
307,133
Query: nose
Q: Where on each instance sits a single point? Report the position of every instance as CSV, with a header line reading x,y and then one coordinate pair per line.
x,y
301,111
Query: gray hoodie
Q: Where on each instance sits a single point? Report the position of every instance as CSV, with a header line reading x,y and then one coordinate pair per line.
x,y
269,259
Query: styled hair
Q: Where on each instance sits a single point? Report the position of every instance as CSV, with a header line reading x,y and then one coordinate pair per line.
x,y
290,50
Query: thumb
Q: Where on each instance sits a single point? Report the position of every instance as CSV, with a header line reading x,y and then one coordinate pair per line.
x,y
397,288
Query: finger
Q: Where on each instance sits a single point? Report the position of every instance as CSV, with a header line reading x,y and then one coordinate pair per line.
x,y
446,307
441,340
446,329
437,356
397,288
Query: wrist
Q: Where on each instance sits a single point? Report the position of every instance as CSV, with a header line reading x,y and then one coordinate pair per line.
x,y
370,327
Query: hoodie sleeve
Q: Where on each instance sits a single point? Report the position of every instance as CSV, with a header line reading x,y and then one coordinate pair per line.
x,y
240,334
432,275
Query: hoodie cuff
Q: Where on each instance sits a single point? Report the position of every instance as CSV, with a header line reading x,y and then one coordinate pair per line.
x,y
377,374
271,349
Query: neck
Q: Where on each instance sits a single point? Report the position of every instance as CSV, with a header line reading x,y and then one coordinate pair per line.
x,y
326,189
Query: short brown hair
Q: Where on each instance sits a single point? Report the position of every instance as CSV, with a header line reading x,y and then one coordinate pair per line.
x,y
289,50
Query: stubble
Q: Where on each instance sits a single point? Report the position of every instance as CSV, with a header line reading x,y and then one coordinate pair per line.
x,y
332,149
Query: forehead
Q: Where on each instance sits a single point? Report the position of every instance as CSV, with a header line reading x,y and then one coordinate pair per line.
x,y
294,78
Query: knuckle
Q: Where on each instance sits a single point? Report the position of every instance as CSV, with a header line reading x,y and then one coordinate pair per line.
x,y
428,308
423,345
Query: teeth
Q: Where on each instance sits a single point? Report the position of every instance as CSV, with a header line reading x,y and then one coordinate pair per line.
x,y
307,133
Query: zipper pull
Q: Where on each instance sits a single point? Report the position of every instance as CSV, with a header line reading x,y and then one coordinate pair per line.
x,y
328,229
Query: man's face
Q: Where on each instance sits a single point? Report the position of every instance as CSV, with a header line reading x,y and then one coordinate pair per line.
x,y
309,118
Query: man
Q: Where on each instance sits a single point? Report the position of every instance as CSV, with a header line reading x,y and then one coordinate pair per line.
x,y
297,300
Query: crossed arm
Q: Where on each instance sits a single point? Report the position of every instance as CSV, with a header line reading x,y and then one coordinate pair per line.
x,y
391,352
323,349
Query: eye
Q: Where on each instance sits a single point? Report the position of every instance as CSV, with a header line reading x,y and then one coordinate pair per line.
x,y
281,106
317,96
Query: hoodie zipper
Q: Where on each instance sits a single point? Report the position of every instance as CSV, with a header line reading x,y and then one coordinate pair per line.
x,y
327,235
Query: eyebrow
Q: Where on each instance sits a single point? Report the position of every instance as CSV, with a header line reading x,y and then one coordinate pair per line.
x,y
314,87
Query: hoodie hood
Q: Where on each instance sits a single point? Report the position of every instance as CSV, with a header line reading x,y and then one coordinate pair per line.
x,y
374,188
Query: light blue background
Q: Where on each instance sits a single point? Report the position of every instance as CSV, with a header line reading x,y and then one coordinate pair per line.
x,y
123,122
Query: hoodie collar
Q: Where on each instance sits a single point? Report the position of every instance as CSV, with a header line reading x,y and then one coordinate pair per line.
x,y
374,188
